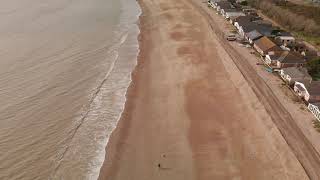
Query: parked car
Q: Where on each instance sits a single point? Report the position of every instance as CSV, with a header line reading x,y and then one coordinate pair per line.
x,y
231,37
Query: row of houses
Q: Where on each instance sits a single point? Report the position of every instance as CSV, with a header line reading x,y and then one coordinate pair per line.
x,y
278,48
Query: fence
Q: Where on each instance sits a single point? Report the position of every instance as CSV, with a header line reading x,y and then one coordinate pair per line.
x,y
315,110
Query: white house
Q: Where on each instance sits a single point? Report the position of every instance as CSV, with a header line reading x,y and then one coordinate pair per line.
x,y
285,38
309,92
300,89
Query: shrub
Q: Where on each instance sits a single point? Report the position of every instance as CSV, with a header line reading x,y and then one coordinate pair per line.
x,y
294,17
313,67
244,3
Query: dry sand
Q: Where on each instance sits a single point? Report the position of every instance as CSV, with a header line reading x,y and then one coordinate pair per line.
x,y
190,110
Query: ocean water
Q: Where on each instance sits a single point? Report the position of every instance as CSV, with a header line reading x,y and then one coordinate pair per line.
x,y
65,66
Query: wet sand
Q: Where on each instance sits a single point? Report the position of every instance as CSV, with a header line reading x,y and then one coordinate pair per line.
x,y
190,110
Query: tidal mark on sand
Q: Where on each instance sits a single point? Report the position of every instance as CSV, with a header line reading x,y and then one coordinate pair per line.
x,y
177,36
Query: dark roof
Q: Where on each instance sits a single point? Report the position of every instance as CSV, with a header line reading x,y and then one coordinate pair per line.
x,y
264,30
225,5
249,26
316,104
233,18
222,2
295,72
263,22
233,10
314,88
275,55
245,19
265,44
290,58
254,35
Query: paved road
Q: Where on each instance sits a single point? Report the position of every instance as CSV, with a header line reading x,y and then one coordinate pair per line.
x,y
300,145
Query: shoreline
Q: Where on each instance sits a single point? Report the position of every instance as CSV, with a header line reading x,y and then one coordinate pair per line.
x,y
115,134
171,120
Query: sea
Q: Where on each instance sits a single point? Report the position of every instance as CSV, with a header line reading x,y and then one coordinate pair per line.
x,y
65,66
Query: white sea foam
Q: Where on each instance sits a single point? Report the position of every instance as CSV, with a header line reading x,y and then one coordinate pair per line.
x,y
109,99
133,31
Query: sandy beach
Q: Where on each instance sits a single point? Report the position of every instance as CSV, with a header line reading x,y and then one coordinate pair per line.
x,y
190,114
